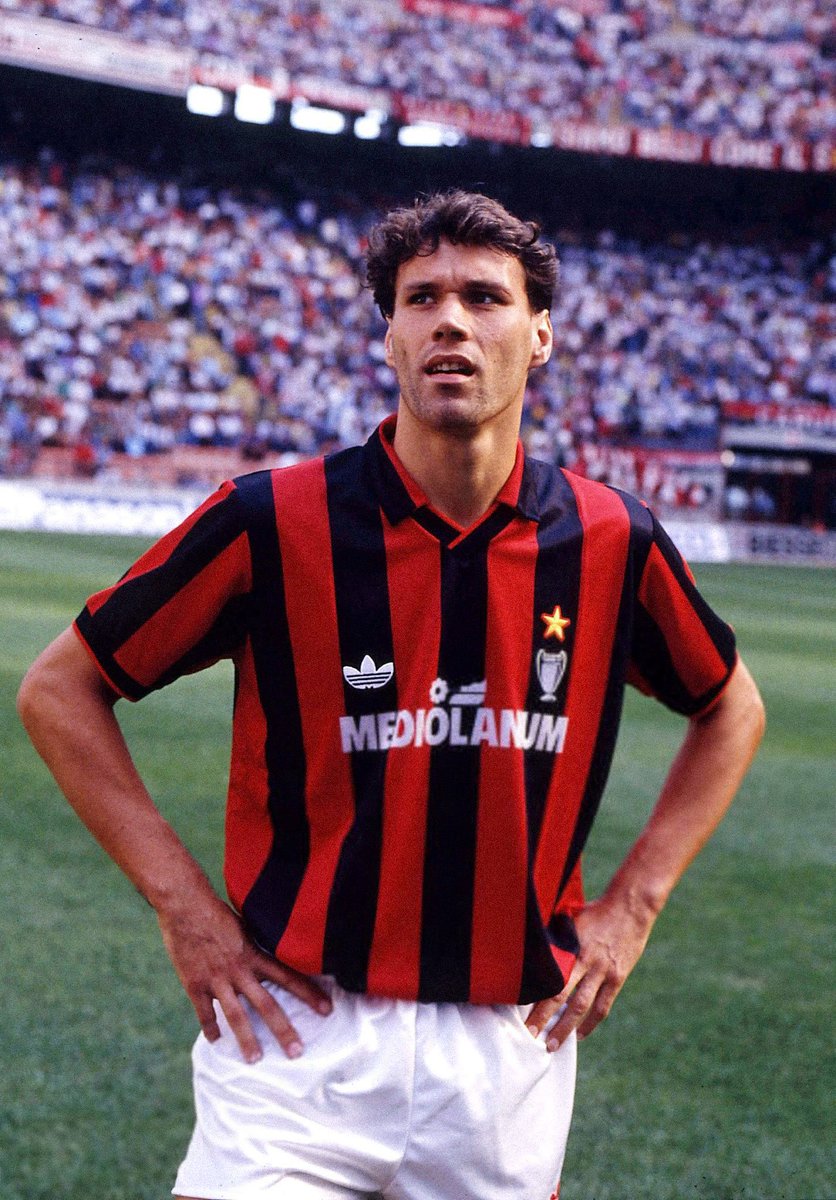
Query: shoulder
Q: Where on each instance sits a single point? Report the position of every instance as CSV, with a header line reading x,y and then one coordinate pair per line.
x,y
605,499
595,503
293,491
258,492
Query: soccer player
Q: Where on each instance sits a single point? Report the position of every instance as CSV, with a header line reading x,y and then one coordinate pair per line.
x,y
431,637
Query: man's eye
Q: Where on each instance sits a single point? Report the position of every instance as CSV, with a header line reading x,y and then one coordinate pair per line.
x,y
419,298
484,298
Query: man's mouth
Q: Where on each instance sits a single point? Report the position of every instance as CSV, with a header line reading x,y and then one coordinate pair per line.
x,y
449,366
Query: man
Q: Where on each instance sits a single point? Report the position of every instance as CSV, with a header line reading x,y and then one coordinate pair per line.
x,y
431,636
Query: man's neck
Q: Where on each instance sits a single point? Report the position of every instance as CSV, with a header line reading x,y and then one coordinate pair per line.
x,y
460,475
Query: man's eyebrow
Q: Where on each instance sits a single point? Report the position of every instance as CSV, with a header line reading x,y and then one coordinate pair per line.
x,y
469,285
487,285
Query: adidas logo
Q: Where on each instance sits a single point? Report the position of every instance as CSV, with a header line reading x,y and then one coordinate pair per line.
x,y
368,675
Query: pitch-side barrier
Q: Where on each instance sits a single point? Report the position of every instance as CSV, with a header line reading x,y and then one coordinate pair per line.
x,y
69,507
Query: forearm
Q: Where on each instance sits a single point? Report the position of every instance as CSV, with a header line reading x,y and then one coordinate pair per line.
x,y
67,710
698,790
700,786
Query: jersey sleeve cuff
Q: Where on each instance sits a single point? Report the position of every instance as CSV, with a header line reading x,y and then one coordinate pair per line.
x,y
716,693
123,689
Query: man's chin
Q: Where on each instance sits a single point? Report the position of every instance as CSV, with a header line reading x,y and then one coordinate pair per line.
x,y
454,411
455,419
453,406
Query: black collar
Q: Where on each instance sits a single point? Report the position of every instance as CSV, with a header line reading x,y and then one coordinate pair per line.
x,y
400,499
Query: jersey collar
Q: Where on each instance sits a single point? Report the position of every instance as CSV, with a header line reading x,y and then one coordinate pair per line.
x,y
401,497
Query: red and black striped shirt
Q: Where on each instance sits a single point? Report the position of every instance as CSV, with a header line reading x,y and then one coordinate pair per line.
x,y
424,716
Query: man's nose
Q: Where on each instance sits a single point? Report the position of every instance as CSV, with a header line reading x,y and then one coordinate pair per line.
x,y
451,319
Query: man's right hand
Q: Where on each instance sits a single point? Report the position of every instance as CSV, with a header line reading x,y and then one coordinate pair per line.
x,y
215,960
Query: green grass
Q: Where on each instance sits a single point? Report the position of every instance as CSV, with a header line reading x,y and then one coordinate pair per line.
x,y
710,1080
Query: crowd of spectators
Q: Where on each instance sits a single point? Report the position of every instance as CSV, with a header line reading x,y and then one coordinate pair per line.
x,y
755,68
138,315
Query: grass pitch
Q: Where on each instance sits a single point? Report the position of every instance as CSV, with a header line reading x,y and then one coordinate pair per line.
x,y
711,1080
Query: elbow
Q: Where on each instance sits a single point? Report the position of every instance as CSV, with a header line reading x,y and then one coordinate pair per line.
x,y
27,696
33,696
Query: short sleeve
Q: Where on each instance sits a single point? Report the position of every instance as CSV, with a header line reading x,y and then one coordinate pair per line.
x,y
682,652
180,607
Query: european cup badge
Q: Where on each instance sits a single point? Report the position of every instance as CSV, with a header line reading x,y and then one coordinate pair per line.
x,y
550,669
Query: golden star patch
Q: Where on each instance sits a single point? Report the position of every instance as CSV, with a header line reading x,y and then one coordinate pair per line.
x,y
555,624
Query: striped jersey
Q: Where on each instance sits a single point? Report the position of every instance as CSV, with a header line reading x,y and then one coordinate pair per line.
x,y
424,716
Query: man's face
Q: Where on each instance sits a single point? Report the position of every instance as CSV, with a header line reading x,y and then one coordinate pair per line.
x,y
462,337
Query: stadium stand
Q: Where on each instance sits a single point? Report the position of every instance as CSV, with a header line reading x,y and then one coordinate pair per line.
x,y
750,68
149,328
157,329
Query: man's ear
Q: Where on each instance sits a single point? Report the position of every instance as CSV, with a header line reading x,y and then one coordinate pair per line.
x,y
387,344
542,339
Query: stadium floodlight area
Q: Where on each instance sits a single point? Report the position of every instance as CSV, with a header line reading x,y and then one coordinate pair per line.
x,y
369,126
254,104
428,133
311,118
205,101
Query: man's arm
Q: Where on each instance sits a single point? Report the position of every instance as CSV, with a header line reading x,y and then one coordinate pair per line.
x,y
700,786
67,709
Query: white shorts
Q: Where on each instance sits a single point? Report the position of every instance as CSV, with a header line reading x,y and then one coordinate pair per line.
x,y
390,1097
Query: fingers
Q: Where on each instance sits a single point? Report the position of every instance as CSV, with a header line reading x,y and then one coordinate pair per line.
x,y
585,1001
237,1002
271,1013
241,1026
300,985
541,1014
588,1005
205,1010
241,993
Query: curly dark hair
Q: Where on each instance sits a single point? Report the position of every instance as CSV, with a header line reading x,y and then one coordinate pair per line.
x,y
463,218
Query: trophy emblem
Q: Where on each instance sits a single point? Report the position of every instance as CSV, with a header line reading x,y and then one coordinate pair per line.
x,y
550,668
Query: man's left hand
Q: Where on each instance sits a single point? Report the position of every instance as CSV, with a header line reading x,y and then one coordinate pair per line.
x,y
612,935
